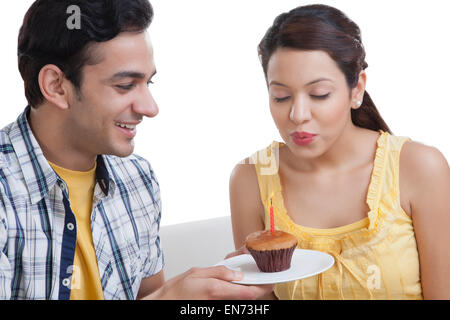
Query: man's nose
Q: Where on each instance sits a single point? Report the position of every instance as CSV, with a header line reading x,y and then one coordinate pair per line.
x,y
145,104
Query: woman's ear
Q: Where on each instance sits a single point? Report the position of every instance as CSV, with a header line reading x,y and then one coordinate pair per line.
x,y
54,86
358,91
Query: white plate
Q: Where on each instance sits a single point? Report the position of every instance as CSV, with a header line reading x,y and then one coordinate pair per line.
x,y
304,264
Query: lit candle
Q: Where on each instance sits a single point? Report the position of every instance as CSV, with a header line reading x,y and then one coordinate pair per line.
x,y
272,227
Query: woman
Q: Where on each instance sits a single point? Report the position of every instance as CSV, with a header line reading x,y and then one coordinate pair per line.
x,y
341,182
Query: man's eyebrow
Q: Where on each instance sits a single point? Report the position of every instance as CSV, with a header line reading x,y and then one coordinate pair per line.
x,y
308,84
129,74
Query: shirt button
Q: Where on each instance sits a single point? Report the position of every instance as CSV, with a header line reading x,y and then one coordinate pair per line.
x,y
63,187
70,226
66,282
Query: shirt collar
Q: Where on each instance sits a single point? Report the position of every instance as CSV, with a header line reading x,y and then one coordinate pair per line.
x,y
38,174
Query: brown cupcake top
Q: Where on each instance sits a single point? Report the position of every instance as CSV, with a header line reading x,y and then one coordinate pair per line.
x,y
267,240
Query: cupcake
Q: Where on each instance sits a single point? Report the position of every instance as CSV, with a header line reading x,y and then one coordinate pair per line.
x,y
272,250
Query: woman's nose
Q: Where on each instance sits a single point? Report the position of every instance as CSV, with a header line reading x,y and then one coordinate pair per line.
x,y
300,111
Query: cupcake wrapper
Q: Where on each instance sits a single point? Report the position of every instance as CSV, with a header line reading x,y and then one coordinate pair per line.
x,y
273,260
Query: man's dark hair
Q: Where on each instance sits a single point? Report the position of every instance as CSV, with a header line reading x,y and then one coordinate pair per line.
x,y
46,38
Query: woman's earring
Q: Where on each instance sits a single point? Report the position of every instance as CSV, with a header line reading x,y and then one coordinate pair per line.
x,y
358,103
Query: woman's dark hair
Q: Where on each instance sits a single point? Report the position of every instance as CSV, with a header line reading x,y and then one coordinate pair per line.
x,y
45,36
321,27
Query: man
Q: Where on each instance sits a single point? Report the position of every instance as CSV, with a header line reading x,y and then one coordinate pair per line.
x,y
80,213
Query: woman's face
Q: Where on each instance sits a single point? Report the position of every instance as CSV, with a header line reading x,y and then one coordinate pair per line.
x,y
308,93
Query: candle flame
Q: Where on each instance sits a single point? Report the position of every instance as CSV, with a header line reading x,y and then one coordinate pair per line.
x,y
272,224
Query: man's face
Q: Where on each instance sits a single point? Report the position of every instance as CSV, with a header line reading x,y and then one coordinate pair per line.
x,y
113,93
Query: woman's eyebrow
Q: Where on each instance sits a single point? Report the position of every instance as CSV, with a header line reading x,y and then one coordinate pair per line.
x,y
318,80
308,84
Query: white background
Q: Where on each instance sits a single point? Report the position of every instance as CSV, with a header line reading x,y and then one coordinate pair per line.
x,y
212,96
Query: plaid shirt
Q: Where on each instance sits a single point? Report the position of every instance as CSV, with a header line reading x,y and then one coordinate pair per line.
x,y
38,228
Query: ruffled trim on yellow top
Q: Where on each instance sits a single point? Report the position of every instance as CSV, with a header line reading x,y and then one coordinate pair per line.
x,y
374,191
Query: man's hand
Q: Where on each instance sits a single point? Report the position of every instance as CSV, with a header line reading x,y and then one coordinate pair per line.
x,y
213,283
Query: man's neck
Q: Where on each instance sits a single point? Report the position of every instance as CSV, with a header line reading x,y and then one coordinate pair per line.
x,y
47,128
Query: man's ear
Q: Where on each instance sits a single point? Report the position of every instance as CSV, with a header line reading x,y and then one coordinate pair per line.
x,y
54,86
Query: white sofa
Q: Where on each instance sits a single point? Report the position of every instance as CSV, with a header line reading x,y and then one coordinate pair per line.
x,y
195,244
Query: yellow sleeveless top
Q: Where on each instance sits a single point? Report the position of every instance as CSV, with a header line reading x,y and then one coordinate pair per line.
x,y
375,258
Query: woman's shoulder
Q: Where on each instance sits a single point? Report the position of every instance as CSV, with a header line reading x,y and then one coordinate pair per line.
x,y
422,168
246,167
245,176
422,158
265,159
243,172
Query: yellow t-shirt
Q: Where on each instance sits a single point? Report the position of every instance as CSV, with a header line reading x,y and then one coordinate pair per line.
x,y
86,283
375,258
